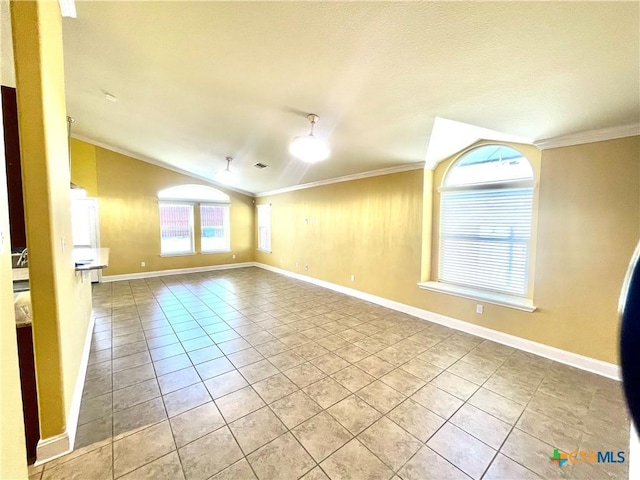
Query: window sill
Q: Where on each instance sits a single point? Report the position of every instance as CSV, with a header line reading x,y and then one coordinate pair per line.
x,y
518,303
215,251
180,254
263,250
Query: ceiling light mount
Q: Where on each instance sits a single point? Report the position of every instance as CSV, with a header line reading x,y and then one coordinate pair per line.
x,y
309,148
313,118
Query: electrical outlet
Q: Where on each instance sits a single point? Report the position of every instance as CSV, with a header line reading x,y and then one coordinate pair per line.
x,y
297,265
353,278
306,267
479,308
233,256
143,264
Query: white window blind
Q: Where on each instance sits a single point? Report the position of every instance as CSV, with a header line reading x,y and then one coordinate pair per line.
x,y
485,237
264,227
176,228
214,228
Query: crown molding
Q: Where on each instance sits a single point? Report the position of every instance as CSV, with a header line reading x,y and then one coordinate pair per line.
x,y
589,136
158,163
347,178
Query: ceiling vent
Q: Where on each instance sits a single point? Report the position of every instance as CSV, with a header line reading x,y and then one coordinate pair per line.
x,y
260,165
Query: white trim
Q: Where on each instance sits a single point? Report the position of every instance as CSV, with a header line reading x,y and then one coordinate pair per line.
x,y
347,178
634,453
61,444
519,303
74,412
590,136
52,447
176,271
562,356
157,163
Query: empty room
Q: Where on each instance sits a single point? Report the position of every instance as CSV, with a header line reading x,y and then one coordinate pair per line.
x,y
319,240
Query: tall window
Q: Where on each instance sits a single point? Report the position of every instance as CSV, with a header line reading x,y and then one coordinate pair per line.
x,y
214,228
485,221
177,227
264,227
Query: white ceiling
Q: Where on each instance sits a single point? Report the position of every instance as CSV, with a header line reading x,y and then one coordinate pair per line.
x,y
199,81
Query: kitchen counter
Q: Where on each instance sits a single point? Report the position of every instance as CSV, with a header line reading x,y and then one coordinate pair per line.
x,y
22,308
20,274
90,258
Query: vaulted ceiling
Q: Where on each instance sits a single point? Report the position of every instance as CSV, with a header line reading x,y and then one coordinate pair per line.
x,y
196,82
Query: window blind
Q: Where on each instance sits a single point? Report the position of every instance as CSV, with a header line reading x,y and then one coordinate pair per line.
x,y
264,227
176,228
214,228
485,237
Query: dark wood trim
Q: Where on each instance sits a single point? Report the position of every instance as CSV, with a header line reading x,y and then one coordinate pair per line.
x,y
13,168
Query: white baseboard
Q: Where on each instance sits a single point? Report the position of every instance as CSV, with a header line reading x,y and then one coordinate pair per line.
x,y
52,447
176,271
582,362
634,453
58,445
74,412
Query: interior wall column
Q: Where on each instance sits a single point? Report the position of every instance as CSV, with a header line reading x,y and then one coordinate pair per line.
x,y
37,43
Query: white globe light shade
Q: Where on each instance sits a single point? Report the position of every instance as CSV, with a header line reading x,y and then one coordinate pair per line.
x,y
309,149
226,177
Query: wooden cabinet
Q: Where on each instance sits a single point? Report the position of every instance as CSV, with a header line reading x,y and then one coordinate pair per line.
x,y
13,168
29,392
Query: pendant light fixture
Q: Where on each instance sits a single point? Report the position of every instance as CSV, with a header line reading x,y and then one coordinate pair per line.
x,y
309,148
226,176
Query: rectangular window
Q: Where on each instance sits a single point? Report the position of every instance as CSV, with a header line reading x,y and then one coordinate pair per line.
x,y
176,228
485,236
264,228
214,228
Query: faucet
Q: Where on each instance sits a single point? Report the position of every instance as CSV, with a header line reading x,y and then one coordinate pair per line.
x,y
23,260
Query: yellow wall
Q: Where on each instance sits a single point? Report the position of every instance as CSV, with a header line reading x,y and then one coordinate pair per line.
x,y
127,191
370,228
13,456
61,301
587,227
83,166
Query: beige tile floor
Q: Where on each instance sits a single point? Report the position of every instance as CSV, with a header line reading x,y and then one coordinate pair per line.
x,y
248,374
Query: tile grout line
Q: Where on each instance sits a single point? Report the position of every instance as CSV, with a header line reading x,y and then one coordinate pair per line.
x,y
291,347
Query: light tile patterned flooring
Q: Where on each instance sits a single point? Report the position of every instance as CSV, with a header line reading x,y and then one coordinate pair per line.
x,y
245,373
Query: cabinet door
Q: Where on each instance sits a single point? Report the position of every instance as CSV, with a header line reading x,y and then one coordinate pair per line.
x,y
13,168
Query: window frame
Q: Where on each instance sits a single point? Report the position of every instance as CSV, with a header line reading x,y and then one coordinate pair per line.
x,y
196,195
522,301
191,227
262,248
226,225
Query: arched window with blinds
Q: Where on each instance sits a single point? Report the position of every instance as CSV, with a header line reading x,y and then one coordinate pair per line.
x,y
486,209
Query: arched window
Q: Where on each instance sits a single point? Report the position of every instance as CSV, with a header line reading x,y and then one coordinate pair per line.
x,y
178,228
486,210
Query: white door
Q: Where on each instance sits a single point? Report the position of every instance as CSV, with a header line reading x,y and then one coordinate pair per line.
x,y
84,222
